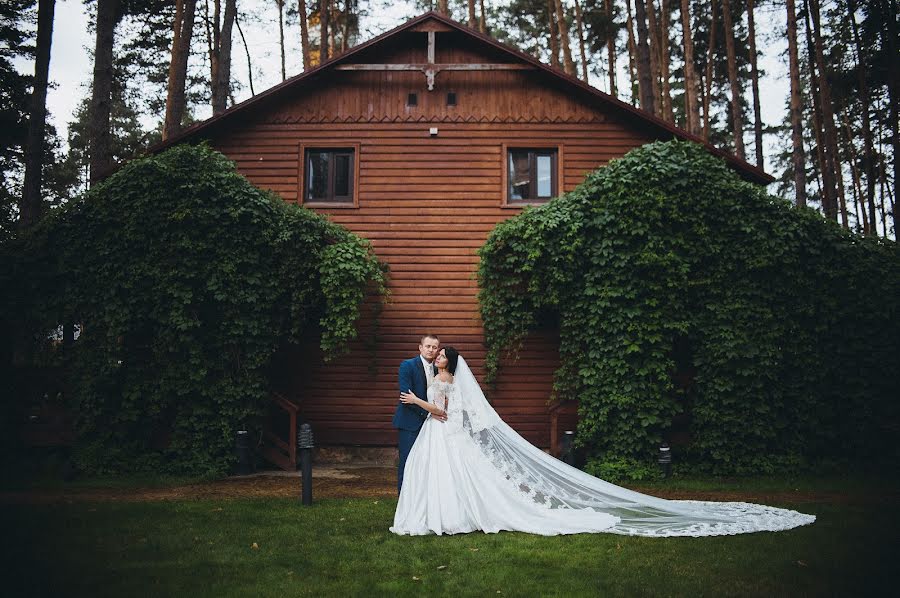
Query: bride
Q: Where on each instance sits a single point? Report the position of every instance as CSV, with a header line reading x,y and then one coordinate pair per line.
x,y
473,472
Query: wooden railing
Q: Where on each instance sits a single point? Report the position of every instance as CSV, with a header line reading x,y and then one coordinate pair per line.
x,y
275,449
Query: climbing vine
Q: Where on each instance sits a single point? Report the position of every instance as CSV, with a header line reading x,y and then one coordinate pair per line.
x,y
186,279
695,308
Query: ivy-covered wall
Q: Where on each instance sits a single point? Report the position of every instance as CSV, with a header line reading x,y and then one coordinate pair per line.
x,y
695,308
185,279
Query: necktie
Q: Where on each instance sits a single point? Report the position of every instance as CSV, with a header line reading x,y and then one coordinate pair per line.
x,y
429,373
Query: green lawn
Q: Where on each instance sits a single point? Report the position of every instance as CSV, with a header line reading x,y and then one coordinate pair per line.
x,y
343,547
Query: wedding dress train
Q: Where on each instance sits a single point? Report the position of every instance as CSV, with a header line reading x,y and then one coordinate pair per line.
x,y
474,472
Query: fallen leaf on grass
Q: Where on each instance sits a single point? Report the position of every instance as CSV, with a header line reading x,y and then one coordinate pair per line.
x,y
255,546
416,578
474,549
343,518
441,567
218,509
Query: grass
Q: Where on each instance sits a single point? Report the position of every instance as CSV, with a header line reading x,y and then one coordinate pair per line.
x,y
342,547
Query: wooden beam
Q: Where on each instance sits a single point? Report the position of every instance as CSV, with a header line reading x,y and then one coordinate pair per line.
x,y
431,69
431,47
435,67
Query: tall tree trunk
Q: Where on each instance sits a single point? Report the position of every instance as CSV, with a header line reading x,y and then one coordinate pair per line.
x,y
220,55
472,22
842,203
554,33
655,61
868,147
632,53
708,71
816,105
100,136
280,4
247,51
831,162
580,28
30,208
645,75
304,33
345,30
736,120
818,126
482,22
324,11
183,28
691,109
890,30
665,59
754,79
443,7
882,174
568,63
841,194
611,47
332,29
796,111
858,195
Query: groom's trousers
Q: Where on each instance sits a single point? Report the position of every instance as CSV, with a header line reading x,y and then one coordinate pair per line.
x,y
406,439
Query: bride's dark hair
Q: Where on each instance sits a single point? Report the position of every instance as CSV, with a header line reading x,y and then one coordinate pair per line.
x,y
452,359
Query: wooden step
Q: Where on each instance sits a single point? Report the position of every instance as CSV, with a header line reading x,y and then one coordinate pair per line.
x,y
278,458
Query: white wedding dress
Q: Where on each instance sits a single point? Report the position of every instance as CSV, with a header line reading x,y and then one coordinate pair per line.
x,y
475,473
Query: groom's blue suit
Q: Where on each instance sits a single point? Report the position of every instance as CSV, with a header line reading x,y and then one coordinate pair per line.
x,y
408,419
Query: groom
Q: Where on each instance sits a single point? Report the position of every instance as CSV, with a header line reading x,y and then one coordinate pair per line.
x,y
416,375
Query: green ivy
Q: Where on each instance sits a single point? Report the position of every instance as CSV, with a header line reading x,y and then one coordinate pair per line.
x,y
186,279
695,308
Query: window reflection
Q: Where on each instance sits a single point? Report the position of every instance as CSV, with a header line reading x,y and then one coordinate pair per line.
x,y
531,174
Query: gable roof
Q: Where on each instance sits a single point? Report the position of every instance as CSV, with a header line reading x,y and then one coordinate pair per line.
x,y
654,124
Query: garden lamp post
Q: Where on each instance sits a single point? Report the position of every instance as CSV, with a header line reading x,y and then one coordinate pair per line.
x,y
567,448
665,459
242,452
305,444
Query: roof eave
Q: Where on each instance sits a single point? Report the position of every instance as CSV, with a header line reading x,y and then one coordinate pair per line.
x,y
753,173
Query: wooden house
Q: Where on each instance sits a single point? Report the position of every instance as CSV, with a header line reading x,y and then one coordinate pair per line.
x,y
422,140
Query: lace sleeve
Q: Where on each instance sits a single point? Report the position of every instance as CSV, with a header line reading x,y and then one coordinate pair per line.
x,y
437,394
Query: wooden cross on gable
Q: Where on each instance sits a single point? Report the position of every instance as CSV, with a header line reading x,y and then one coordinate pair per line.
x,y
430,68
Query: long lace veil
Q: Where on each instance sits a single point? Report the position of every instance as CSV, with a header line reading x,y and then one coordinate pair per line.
x,y
556,485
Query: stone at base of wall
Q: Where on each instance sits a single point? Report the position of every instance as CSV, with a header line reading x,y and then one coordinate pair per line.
x,y
355,455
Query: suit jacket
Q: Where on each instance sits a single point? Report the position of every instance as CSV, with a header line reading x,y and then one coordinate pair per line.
x,y
412,377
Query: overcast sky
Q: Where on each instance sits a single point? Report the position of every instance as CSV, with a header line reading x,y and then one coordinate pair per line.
x,y
70,63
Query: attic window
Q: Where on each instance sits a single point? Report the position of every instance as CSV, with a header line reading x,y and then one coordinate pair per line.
x,y
531,174
412,100
451,98
329,175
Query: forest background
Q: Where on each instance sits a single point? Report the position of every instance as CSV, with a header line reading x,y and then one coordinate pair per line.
x,y
817,91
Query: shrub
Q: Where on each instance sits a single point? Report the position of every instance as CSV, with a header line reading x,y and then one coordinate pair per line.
x,y
780,328
186,278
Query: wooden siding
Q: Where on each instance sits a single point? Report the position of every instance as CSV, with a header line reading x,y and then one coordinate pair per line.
x,y
427,204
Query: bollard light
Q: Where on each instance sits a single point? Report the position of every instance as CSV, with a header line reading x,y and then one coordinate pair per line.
x,y
242,452
567,448
305,444
665,459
